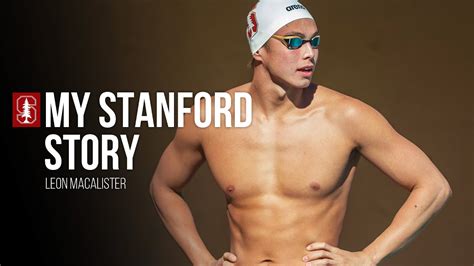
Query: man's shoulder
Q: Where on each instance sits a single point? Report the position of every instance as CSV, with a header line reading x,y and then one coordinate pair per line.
x,y
232,91
241,88
337,103
344,109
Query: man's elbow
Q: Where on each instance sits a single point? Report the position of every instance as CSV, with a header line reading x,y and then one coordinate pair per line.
x,y
444,191
150,188
159,190
447,191
154,186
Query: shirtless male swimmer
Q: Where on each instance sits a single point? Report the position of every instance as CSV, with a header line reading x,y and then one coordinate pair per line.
x,y
287,176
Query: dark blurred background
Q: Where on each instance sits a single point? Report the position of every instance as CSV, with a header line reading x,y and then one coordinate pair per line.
x,y
411,60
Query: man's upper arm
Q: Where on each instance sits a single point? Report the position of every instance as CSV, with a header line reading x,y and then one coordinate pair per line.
x,y
392,153
181,158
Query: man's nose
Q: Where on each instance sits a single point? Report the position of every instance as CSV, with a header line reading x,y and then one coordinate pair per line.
x,y
308,51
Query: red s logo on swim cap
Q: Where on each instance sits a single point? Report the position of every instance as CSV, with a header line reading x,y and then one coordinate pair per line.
x,y
252,25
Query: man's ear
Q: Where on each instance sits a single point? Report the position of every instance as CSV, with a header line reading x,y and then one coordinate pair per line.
x,y
257,56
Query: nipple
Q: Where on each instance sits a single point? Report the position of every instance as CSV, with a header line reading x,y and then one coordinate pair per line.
x,y
230,189
315,185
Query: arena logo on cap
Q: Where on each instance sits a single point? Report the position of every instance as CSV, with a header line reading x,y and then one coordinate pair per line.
x,y
294,7
26,109
252,25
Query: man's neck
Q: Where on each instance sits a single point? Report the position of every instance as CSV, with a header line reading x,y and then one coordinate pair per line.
x,y
272,99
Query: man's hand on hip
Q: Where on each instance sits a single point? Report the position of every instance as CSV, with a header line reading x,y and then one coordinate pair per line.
x,y
325,254
228,259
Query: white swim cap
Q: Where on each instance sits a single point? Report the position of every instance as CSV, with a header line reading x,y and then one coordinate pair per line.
x,y
268,16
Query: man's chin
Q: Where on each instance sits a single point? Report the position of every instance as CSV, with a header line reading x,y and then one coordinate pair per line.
x,y
303,84
297,83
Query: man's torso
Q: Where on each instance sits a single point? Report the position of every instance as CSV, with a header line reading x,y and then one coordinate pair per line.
x,y
286,180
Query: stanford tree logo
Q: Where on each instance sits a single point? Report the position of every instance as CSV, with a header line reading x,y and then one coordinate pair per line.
x,y
252,25
26,109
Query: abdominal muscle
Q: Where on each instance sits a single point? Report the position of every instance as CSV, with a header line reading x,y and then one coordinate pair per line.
x,y
275,230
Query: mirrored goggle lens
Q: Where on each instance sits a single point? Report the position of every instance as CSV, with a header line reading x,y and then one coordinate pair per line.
x,y
295,43
315,41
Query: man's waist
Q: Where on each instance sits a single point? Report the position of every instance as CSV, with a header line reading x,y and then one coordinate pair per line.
x,y
274,250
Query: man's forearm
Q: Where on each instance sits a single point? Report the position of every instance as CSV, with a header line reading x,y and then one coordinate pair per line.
x,y
422,204
177,217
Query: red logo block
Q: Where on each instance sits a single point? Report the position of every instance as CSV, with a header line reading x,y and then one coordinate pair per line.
x,y
26,109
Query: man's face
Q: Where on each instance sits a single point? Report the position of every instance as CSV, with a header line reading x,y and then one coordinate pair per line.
x,y
291,68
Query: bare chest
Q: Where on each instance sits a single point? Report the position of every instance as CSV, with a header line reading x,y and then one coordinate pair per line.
x,y
300,159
